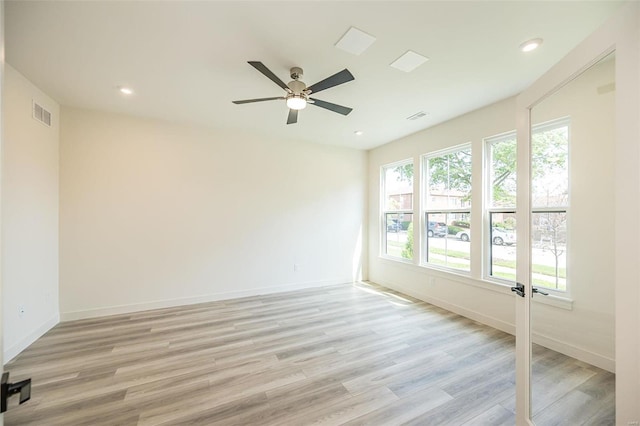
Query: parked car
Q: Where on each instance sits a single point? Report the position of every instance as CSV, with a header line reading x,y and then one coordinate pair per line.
x,y
464,235
394,226
498,236
437,229
503,236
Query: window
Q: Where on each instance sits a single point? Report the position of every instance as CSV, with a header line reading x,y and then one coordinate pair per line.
x,y
501,206
447,214
397,210
549,201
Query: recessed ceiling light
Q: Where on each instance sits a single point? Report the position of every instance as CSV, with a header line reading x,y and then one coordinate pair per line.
x,y
358,133
355,41
409,61
125,90
530,45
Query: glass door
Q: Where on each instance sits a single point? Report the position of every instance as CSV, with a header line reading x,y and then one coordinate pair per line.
x,y
572,316
562,251
569,225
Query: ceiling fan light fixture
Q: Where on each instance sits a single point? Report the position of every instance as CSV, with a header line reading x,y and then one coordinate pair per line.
x,y
296,102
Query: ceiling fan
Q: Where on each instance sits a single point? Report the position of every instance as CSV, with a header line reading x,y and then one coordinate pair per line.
x,y
297,96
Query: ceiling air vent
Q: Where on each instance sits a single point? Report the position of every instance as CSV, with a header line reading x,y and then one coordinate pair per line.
x,y
41,114
417,115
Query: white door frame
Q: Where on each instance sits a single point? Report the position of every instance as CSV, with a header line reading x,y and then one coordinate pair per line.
x,y
622,34
1,149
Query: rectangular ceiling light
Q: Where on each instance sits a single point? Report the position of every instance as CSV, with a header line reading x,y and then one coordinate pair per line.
x,y
355,41
409,61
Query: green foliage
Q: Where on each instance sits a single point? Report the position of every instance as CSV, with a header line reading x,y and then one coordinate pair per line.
x,y
549,158
550,179
405,172
452,172
549,151
453,230
461,224
509,223
407,252
503,184
450,253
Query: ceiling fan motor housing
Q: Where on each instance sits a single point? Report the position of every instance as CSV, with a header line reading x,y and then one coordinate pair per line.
x,y
297,86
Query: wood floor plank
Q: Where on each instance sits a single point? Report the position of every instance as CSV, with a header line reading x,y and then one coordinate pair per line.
x,y
347,354
404,410
495,416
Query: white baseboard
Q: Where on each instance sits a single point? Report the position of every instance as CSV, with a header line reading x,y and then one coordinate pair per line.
x,y
169,303
589,357
14,350
467,313
564,348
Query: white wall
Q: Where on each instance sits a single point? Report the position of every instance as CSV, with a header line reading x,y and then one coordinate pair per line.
x,y
157,214
29,215
587,330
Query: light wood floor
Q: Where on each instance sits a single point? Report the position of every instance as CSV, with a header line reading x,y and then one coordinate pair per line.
x,y
336,355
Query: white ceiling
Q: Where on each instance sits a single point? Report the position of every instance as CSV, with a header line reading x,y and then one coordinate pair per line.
x,y
187,60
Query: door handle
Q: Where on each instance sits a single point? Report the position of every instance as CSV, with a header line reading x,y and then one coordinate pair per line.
x,y
518,289
9,389
537,290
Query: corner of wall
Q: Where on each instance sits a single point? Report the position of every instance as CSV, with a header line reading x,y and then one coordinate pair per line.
x,y
30,211
12,351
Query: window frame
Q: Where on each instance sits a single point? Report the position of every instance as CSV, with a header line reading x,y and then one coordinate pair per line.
x,y
384,212
425,210
541,127
489,209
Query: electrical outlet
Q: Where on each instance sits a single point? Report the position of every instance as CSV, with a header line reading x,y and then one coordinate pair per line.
x,y
296,267
20,311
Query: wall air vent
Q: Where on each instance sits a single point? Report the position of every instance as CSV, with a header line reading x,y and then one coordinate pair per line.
x,y
417,115
41,114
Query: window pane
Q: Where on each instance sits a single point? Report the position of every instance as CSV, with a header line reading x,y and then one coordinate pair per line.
x,y
449,178
503,245
549,164
502,173
399,230
549,250
450,249
398,187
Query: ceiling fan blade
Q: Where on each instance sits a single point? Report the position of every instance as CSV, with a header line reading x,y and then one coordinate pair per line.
x,y
267,72
336,79
331,107
293,116
248,101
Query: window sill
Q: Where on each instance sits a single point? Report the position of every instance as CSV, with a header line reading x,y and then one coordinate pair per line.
x,y
502,287
401,260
